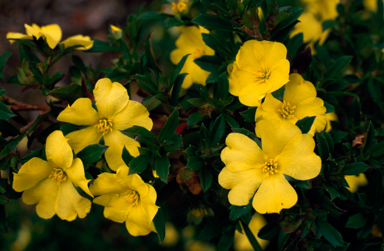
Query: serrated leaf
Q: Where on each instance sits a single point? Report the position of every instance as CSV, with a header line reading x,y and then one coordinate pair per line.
x,y
162,167
92,153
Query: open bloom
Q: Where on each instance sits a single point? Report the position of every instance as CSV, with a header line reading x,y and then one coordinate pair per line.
x,y
299,101
128,199
50,184
249,169
260,68
115,112
191,42
52,35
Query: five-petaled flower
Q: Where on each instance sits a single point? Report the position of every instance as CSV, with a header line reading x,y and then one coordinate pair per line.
x,y
286,151
128,199
299,101
260,68
50,184
191,42
52,35
115,112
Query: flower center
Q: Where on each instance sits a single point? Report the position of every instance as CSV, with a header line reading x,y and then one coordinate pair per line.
x,y
199,212
262,75
58,174
270,167
287,110
198,53
132,197
104,126
179,7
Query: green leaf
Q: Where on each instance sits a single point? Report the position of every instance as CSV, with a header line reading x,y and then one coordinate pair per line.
x,y
162,167
237,211
217,130
269,231
138,130
255,245
377,150
206,178
5,112
339,65
369,138
176,89
223,86
249,115
78,62
194,118
177,70
286,18
138,164
146,83
70,93
195,163
322,146
355,168
127,157
356,221
92,153
294,44
100,46
305,124
213,22
3,60
226,240
283,238
208,63
231,121
170,126
217,45
330,233
159,223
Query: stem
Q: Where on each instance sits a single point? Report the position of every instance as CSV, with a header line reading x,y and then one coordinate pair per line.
x,y
250,236
19,106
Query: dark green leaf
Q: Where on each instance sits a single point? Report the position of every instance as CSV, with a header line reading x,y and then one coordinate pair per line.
x,y
176,89
249,115
194,163
170,126
217,130
330,233
3,60
194,118
206,178
178,68
91,153
356,221
208,63
127,156
213,22
100,46
78,62
338,66
138,130
305,124
146,83
283,238
355,168
255,245
159,223
269,231
226,240
223,86
138,164
5,112
237,211
162,167
3,220
369,138
70,93
231,121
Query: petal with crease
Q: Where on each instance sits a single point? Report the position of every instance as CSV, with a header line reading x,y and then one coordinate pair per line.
x,y
58,151
133,114
80,139
80,112
76,174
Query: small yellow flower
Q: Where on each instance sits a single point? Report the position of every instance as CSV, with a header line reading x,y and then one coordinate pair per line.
x,y
52,34
85,42
241,242
180,7
50,184
191,42
356,181
260,68
299,101
249,169
117,33
115,112
128,199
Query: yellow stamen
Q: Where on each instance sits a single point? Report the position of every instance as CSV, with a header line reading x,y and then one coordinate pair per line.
x,y
179,7
132,197
287,110
270,167
58,174
104,126
262,75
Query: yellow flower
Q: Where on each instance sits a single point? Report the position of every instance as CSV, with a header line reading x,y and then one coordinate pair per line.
x,y
51,33
180,7
191,42
241,242
286,151
85,42
128,199
299,101
323,9
115,112
331,116
356,181
50,184
260,68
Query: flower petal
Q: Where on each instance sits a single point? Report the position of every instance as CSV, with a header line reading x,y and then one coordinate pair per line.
x,y
241,153
133,114
111,98
134,182
242,184
33,30
70,204
80,112
252,94
14,35
271,52
140,219
298,159
356,181
58,151
239,79
274,194
269,109
44,194
107,183
85,42
279,75
76,174
116,207
275,135
298,90
80,139
31,173
52,34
